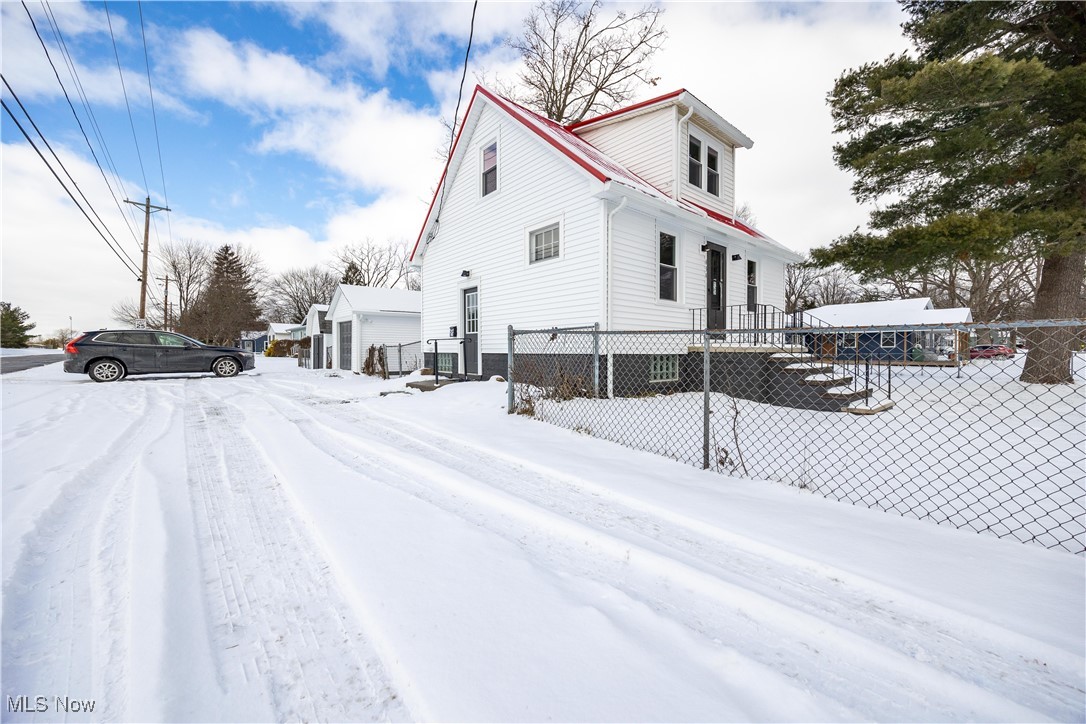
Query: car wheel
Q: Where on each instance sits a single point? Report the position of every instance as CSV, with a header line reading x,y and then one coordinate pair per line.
x,y
106,370
226,367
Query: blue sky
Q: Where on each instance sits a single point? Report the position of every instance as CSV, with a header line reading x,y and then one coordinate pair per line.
x,y
299,128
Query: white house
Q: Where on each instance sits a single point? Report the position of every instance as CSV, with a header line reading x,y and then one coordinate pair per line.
x,y
365,316
319,331
626,220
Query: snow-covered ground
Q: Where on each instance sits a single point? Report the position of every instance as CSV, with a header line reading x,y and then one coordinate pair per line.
x,y
291,545
28,351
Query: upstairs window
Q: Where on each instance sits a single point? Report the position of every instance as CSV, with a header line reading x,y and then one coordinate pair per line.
x,y
543,244
694,175
490,169
668,271
712,164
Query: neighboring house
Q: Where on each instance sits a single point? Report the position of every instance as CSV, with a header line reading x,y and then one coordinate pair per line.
x,y
254,341
364,316
319,330
626,220
887,344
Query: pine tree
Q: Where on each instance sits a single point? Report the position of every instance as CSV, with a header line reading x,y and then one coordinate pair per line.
x,y
974,148
227,305
14,330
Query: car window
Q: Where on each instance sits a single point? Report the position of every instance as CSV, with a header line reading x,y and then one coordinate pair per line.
x,y
111,337
137,338
170,340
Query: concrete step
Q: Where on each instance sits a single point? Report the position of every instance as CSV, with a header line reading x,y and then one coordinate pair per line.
x,y
826,380
868,408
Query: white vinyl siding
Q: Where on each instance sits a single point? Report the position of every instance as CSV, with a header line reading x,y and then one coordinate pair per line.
x,y
644,143
724,202
537,186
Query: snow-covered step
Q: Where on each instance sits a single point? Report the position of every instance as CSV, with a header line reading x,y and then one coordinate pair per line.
x,y
808,366
827,380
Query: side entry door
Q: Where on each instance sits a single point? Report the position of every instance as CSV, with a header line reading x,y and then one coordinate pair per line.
x,y
471,331
715,269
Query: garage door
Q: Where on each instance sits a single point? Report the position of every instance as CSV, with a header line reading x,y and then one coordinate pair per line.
x,y
345,345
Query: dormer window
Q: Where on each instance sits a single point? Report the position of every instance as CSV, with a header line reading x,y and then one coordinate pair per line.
x,y
490,169
694,175
712,164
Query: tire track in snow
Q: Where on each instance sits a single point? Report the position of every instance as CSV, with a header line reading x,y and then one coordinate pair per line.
x,y
280,626
71,582
899,659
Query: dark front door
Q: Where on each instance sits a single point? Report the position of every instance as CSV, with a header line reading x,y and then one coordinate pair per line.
x,y
471,331
714,289
345,345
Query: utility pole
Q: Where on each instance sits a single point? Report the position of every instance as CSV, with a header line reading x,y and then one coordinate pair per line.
x,y
165,303
147,208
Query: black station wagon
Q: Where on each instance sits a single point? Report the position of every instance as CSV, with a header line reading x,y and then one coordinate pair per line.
x,y
111,354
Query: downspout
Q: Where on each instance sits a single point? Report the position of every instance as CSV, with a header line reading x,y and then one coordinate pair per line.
x,y
607,294
679,152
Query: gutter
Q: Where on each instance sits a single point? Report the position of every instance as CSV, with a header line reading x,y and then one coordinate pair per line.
x,y
676,185
610,257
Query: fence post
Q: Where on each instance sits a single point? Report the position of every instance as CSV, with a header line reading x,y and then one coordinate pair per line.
x,y
509,375
596,360
705,400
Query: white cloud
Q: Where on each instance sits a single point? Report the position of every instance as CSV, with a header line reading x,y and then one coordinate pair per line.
x,y
768,72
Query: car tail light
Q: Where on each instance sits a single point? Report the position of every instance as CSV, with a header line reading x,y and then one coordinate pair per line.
x,y
70,348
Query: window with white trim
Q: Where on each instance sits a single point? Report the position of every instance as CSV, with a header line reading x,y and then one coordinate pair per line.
x,y
664,368
887,339
712,171
752,283
489,181
669,272
694,162
471,313
543,244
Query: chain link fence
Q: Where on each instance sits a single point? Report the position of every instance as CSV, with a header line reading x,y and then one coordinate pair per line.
x,y
942,423
402,359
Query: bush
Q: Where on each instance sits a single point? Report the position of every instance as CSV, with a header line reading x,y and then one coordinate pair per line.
x,y
279,348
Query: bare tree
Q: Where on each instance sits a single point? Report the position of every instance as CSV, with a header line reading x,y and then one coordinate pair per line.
x,y
576,65
835,286
800,283
369,264
292,293
127,313
187,263
745,213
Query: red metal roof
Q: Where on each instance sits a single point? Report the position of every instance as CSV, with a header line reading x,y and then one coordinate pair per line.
x,y
627,109
582,153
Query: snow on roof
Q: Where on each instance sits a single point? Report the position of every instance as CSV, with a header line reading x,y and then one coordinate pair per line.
x,y
591,159
318,308
379,299
888,313
280,327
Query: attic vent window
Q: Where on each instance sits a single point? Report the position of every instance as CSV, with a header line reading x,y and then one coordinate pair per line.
x,y
490,168
694,175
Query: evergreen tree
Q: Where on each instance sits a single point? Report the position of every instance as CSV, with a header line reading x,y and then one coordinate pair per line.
x,y
14,330
974,148
227,305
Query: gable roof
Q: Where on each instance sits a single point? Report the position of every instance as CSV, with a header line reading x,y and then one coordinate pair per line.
x,y
681,97
887,313
280,327
583,154
377,299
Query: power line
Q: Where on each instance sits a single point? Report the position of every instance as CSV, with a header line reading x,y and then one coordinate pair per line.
x,y
73,72
49,57
66,190
456,113
131,122
61,163
154,117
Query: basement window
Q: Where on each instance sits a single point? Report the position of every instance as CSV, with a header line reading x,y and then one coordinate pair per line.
x,y
664,368
445,362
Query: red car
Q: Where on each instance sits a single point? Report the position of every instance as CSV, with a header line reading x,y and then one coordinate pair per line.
x,y
991,351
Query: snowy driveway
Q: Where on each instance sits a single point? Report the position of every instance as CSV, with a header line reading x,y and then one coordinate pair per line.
x,y
290,545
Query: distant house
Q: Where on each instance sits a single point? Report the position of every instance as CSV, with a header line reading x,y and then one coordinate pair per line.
x,y
899,344
626,220
319,330
279,331
254,341
361,317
